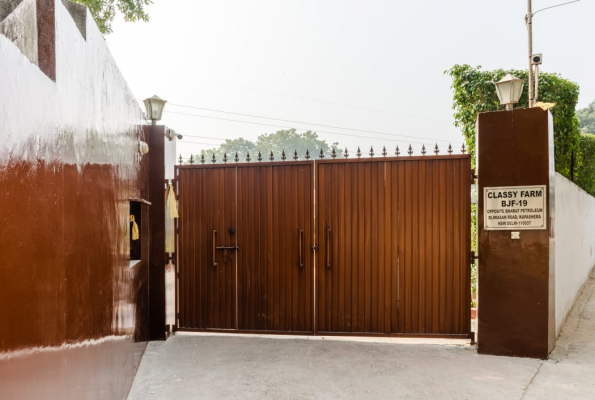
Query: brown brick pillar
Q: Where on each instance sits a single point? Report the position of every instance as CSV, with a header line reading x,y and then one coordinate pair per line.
x,y
516,277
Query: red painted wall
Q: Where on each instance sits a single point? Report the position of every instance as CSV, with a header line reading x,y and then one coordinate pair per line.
x,y
73,313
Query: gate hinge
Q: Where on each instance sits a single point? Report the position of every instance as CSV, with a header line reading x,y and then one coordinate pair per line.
x,y
171,257
473,257
314,248
473,176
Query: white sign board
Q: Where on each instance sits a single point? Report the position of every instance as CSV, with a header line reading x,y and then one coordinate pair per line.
x,y
515,208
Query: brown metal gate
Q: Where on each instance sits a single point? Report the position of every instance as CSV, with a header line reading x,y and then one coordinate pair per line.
x,y
392,240
244,260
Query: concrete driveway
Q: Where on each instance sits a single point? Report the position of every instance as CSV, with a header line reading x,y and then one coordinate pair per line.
x,y
197,366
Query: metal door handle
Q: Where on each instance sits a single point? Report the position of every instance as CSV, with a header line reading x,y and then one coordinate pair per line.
x,y
214,247
328,248
301,248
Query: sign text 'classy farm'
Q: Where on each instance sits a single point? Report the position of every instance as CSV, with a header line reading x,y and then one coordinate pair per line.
x,y
515,207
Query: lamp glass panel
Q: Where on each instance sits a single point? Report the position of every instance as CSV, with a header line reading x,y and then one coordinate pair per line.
x,y
517,90
504,90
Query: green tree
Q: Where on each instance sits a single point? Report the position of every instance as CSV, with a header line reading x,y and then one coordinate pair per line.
x,y
288,141
586,170
104,11
474,93
586,117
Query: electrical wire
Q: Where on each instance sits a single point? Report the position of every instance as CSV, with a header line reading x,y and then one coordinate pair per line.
x,y
306,129
298,122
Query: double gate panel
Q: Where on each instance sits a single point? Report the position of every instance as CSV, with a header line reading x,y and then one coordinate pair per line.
x,y
207,284
394,238
245,261
275,262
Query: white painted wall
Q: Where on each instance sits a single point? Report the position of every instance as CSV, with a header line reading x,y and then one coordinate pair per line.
x,y
575,244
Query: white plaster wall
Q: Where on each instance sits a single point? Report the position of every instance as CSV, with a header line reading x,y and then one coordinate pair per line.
x,y
575,244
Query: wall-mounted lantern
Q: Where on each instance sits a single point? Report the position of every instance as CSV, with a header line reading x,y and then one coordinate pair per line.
x,y
509,90
154,106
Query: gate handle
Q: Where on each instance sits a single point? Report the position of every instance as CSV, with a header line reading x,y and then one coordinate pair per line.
x,y
301,248
328,248
214,247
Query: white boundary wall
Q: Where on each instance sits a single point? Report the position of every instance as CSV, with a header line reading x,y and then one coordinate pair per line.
x,y
575,244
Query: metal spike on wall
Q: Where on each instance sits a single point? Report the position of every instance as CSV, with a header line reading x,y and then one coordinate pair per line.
x,y
225,158
358,153
202,158
307,154
371,151
191,159
272,157
283,158
248,157
410,151
436,150
236,159
423,150
213,160
383,151
295,156
259,157
463,148
321,154
397,152
334,153
180,159
346,153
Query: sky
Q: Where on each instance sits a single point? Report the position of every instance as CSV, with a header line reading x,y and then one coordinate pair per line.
x,y
371,72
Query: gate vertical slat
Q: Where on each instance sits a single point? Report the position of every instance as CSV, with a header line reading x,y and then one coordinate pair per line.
x,y
422,263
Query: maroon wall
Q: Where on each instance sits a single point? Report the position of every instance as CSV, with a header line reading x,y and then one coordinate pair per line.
x,y
516,277
73,312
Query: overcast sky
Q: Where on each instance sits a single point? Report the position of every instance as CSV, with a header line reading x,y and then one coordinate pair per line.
x,y
375,66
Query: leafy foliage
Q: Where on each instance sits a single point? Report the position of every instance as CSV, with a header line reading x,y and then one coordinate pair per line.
x,y
104,11
474,92
284,140
586,170
586,117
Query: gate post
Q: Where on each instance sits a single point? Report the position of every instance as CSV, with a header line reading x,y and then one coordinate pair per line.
x,y
515,153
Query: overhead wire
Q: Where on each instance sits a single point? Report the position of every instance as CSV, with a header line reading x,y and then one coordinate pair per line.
x,y
320,131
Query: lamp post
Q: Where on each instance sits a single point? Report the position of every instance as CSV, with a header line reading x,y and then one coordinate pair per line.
x,y
154,106
509,90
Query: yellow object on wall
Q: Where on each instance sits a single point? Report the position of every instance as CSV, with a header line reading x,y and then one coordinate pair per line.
x,y
170,201
135,234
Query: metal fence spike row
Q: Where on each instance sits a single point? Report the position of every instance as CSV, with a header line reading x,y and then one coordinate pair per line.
x,y
259,157
371,151
295,155
213,160
248,157
397,152
410,151
463,148
180,159
321,154
202,158
334,153
358,153
423,150
384,151
346,153
283,158
307,154
272,157
449,149
436,150
236,158
191,161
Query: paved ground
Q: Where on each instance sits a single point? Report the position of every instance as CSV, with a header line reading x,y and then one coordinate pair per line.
x,y
253,367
